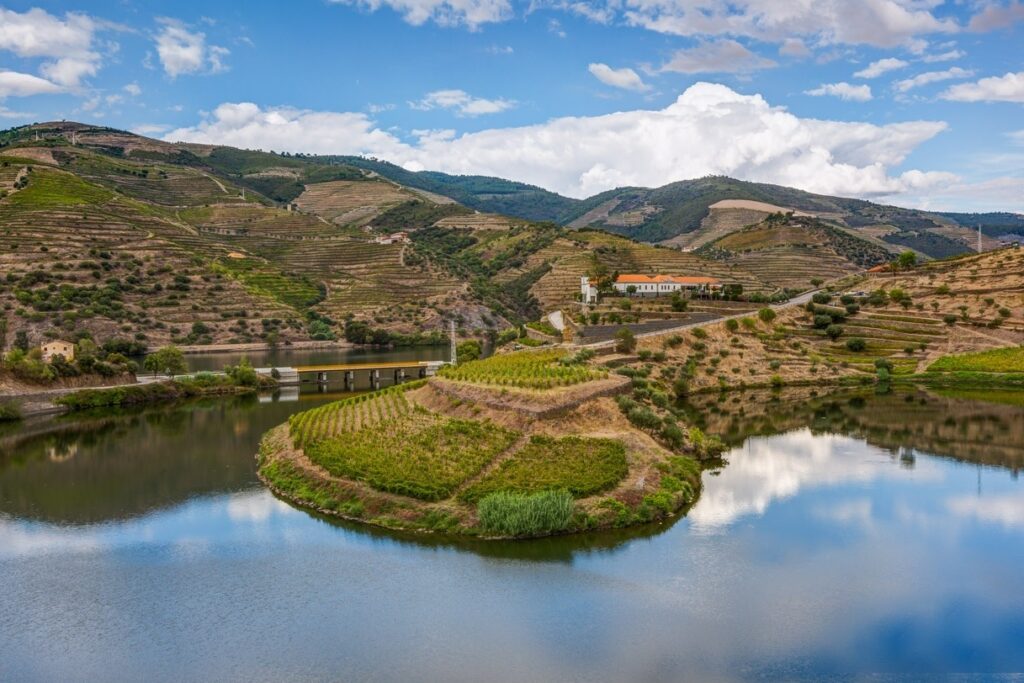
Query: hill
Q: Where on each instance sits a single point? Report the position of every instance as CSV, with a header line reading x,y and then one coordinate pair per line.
x,y
793,251
117,235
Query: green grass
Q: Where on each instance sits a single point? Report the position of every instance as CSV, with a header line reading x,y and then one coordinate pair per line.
x,y
526,369
518,514
350,414
260,278
48,188
421,454
997,360
9,411
578,465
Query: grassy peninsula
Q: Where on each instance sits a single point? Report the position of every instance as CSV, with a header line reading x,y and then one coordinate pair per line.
x,y
518,445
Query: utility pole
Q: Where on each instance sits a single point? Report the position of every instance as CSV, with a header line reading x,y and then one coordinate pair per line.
x,y
979,238
454,353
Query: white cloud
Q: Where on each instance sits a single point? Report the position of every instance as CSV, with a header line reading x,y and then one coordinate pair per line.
x,y
947,56
16,84
1017,136
1007,88
151,128
876,69
462,103
182,51
624,78
66,43
931,77
794,47
500,50
133,89
844,91
469,13
882,23
719,56
995,16
709,129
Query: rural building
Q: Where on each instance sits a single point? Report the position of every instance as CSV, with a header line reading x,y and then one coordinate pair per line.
x,y
393,238
58,347
660,285
588,292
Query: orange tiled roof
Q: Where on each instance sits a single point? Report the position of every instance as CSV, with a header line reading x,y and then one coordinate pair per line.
x,y
631,279
880,269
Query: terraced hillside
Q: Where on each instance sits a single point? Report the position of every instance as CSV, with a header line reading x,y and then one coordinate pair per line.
x,y
793,251
903,323
351,202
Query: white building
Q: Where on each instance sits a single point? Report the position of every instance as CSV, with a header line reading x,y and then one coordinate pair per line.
x,y
588,292
660,285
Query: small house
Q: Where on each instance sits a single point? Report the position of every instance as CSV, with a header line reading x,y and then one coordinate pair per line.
x,y
588,292
58,347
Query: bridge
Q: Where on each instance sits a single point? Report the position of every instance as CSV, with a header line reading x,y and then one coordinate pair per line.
x,y
400,370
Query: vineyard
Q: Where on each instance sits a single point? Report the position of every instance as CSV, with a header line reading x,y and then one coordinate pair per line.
x,y
422,455
578,465
350,415
996,360
526,370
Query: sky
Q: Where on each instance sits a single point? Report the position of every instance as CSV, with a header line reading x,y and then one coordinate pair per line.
x,y
913,102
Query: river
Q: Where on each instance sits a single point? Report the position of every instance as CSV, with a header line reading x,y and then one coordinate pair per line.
x,y
842,536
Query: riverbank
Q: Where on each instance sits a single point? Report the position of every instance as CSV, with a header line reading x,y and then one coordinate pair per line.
x,y
486,457
263,346
167,391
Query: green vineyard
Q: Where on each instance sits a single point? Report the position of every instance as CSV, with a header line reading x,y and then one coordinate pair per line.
x,y
527,370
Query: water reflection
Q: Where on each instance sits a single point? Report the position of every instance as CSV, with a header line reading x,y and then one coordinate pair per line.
x,y
834,545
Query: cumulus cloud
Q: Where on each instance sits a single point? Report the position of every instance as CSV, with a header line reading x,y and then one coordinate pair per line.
x,y
462,103
994,17
709,129
844,91
624,78
931,77
66,44
183,51
1006,88
719,56
16,84
876,69
882,23
469,13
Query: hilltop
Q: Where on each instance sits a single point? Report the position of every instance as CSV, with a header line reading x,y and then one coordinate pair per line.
x,y
689,213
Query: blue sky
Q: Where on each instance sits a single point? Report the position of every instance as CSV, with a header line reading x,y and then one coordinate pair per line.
x,y
917,102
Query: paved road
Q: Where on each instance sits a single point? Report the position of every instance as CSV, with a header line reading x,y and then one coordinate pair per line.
x,y
673,326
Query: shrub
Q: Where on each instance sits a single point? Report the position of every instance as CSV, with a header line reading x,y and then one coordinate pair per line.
x,y
821,321
625,340
856,344
644,418
9,410
516,514
949,319
776,381
834,331
732,324
700,333
883,363
766,315
821,298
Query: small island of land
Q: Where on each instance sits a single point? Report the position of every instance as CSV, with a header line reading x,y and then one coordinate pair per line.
x,y
517,445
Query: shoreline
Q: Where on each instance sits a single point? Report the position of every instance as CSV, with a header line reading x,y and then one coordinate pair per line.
x,y
196,349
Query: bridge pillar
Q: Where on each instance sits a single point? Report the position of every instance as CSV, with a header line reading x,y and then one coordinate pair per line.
x,y
350,380
423,373
399,375
321,377
375,379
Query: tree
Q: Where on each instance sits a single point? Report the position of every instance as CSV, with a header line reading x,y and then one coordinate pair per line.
x,y
167,361
834,331
625,340
679,304
243,374
21,340
631,290
766,315
468,350
907,260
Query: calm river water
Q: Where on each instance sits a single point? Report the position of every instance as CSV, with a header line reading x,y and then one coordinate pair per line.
x,y
843,536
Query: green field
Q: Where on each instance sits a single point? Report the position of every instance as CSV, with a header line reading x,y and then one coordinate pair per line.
x,y
421,455
578,465
998,360
526,369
